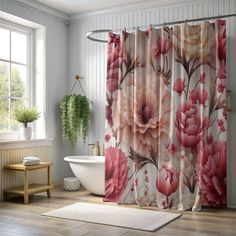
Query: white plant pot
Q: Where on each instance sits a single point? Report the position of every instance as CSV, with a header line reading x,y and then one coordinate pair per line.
x,y
26,133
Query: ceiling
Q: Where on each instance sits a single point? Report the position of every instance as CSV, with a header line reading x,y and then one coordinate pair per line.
x,y
81,6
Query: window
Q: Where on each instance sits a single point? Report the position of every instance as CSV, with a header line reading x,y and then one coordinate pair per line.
x,y
15,74
22,73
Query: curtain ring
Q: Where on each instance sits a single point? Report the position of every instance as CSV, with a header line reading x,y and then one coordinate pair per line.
x,y
164,25
186,21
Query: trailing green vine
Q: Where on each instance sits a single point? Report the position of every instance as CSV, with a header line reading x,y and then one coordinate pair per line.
x,y
64,117
75,115
85,115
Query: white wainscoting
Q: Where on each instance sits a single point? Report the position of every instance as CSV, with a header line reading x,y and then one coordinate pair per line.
x,y
89,59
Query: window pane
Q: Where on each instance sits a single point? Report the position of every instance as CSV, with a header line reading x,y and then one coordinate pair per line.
x,y
4,44
18,80
19,47
4,78
16,103
4,121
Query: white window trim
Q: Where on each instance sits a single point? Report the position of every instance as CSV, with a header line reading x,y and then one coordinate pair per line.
x,y
31,28
14,27
18,143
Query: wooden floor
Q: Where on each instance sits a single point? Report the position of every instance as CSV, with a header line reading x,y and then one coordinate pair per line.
x,y
24,220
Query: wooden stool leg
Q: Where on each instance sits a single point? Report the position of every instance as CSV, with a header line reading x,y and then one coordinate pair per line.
x,y
26,187
49,181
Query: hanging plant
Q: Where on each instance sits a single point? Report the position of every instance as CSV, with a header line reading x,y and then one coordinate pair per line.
x,y
85,115
75,115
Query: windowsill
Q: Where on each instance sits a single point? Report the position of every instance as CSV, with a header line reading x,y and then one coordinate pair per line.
x,y
20,143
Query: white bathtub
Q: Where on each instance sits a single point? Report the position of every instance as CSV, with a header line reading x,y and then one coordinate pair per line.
x,y
90,170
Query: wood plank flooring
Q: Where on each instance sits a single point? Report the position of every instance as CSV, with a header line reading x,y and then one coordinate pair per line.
x,y
17,219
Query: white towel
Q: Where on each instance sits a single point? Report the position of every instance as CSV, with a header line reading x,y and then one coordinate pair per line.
x,y
31,160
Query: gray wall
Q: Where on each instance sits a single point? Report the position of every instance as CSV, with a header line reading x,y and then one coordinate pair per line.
x,y
57,57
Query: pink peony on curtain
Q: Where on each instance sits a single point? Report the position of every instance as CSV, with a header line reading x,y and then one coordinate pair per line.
x,y
166,117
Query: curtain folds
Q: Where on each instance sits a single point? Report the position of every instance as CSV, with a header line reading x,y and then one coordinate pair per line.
x,y
166,117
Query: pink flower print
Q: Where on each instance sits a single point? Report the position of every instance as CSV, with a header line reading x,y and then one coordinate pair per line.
x,y
162,46
145,172
202,78
221,82
172,149
146,193
221,44
179,86
109,115
212,172
202,96
220,23
112,81
222,71
193,96
220,88
225,113
132,188
146,179
136,182
167,181
116,173
209,138
141,119
190,125
114,59
221,125
107,137
148,32
198,95
114,39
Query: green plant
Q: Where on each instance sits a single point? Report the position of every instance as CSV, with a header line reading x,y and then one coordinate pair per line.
x,y
75,115
26,115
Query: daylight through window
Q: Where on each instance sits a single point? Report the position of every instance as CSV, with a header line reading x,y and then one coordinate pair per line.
x,y
15,79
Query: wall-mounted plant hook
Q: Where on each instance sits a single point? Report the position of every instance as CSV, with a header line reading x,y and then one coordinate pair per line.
x,y
77,80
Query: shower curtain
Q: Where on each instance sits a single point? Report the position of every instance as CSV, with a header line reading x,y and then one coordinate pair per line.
x,y
166,117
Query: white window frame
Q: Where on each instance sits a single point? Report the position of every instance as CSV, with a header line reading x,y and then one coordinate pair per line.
x,y
30,89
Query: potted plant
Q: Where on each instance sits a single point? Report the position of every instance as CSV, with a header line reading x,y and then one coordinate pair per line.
x,y
26,115
75,115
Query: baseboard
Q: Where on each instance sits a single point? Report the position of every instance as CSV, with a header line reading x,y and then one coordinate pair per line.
x,y
231,206
57,184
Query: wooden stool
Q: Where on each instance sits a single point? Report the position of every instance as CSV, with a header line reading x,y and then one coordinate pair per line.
x,y
28,189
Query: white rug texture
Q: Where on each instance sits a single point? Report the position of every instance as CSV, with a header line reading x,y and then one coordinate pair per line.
x,y
139,219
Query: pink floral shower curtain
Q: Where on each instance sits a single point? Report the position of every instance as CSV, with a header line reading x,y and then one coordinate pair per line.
x,y
166,117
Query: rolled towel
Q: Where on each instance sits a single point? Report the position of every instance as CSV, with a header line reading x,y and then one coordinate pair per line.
x,y
31,161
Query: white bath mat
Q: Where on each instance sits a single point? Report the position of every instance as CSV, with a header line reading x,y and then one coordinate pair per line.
x,y
114,215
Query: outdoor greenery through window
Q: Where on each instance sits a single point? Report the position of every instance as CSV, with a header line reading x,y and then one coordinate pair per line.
x,y
15,80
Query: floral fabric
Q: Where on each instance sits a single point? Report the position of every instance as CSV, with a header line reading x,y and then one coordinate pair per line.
x,y
166,117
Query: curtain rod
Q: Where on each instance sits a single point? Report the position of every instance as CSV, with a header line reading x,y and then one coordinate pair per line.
x,y
90,33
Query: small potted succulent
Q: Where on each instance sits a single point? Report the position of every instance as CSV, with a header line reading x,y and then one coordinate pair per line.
x,y
26,115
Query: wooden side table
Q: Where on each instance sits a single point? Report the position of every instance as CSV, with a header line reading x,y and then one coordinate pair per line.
x,y
28,189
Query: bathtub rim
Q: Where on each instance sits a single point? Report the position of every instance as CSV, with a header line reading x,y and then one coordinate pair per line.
x,y
78,159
